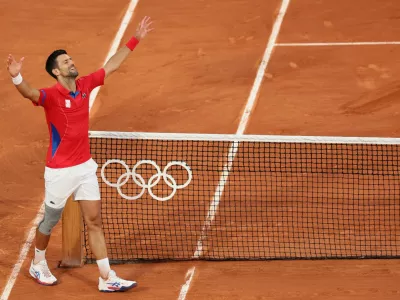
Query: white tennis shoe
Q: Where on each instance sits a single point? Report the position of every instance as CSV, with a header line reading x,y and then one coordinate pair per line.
x,y
42,274
115,284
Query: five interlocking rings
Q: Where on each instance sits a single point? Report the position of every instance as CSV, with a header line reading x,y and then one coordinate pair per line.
x,y
153,180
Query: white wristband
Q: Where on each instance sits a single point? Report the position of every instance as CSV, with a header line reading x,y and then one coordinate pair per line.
x,y
17,80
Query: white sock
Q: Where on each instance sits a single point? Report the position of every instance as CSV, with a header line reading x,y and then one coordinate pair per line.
x,y
39,255
104,267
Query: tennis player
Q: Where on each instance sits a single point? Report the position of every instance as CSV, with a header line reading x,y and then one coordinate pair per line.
x,y
69,169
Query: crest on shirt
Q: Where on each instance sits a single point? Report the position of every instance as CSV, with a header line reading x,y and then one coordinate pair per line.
x,y
67,103
84,95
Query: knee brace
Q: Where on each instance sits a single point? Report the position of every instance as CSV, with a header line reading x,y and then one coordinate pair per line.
x,y
50,219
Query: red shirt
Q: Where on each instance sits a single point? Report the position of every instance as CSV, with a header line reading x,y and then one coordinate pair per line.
x,y
67,116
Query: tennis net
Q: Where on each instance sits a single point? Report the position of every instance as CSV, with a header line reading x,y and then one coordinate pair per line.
x,y
228,197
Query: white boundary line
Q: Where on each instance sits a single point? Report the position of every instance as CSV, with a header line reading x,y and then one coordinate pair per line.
x,y
27,244
336,44
242,126
261,69
22,255
115,44
186,286
234,146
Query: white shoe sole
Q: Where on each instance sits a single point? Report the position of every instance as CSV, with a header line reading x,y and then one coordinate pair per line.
x,y
122,289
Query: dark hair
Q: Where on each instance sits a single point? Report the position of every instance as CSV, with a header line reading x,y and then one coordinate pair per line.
x,y
51,62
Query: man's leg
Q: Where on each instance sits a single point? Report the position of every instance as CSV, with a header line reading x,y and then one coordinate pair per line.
x,y
43,232
91,211
59,185
42,240
39,269
88,195
109,281
41,243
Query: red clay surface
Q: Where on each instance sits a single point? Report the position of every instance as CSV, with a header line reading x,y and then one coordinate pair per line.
x,y
181,78
341,21
193,74
333,91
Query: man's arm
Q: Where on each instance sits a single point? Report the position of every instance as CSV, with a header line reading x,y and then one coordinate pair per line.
x,y
28,92
14,68
119,57
116,60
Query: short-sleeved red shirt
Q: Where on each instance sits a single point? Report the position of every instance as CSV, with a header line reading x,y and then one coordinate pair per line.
x,y
67,115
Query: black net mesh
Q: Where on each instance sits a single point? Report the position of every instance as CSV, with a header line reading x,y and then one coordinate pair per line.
x,y
247,200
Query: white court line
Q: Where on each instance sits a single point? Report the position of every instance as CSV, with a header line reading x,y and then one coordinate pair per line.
x,y
115,44
27,244
22,255
336,44
242,126
186,286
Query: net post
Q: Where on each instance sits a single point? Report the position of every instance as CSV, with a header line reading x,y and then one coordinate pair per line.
x,y
72,235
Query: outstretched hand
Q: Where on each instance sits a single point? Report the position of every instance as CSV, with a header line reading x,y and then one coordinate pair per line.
x,y
143,28
14,67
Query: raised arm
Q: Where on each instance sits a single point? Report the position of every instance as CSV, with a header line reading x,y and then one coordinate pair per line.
x,y
14,68
118,58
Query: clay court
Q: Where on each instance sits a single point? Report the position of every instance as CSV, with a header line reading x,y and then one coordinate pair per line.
x,y
333,71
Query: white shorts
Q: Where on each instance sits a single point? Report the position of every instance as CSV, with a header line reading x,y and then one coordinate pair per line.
x,y
79,181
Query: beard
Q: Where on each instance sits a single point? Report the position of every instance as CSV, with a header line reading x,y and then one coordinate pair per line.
x,y
73,72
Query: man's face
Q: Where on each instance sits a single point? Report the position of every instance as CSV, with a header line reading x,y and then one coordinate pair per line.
x,y
66,67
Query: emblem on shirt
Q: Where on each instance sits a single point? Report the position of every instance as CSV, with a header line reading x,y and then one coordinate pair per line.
x,y
67,103
84,95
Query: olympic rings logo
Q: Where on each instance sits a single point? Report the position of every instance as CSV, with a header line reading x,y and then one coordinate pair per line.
x,y
153,180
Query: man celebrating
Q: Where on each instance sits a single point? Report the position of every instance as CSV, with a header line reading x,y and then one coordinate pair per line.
x,y
70,170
